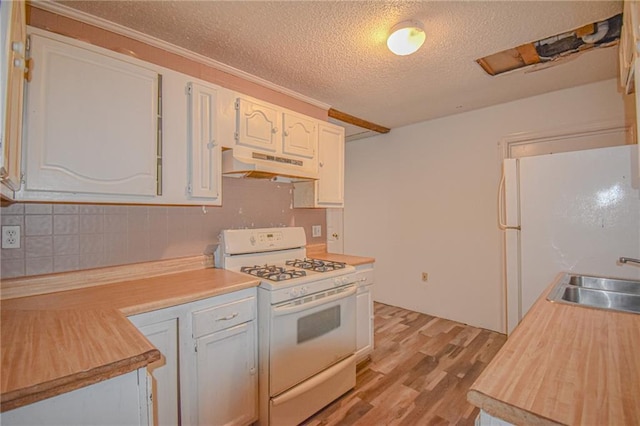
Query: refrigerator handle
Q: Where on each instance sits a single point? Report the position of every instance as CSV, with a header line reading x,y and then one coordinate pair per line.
x,y
501,208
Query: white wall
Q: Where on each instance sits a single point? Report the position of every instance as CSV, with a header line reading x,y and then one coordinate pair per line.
x,y
423,198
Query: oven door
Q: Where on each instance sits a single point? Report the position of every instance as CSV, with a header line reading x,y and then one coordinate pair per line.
x,y
310,334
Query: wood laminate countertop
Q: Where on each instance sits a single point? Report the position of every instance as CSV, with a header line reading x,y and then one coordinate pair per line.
x,y
565,365
344,258
57,342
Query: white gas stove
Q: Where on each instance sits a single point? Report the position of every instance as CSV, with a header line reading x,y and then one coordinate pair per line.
x,y
306,317
278,257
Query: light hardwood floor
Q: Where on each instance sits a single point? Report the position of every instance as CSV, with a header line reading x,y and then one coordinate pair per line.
x,y
419,373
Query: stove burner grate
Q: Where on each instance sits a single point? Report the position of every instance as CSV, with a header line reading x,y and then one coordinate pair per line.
x,y
272,272
316,264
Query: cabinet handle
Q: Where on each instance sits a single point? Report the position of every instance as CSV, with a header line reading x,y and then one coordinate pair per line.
x,y
286,133
274,130
211,144
18,63
228,317
321,164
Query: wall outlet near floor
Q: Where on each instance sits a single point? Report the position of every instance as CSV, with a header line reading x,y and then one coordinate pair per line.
x,y
11,236
425,276
316,231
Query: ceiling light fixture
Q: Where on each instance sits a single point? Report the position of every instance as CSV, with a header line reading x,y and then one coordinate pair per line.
x,y
406,37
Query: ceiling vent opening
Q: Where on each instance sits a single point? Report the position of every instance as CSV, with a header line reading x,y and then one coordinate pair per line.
x,y
550,50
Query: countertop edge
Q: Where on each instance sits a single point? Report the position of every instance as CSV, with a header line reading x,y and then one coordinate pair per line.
x,y
41,391
506,411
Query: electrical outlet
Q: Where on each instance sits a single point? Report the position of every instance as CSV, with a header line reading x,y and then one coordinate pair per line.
x,y
11,236
425,276
316,231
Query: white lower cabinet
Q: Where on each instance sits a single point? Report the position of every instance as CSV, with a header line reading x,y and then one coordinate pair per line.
x,y
227,376
364,312
161,329
207,373
122,400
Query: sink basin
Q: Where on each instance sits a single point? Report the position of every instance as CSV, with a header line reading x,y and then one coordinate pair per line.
x,y
602,299
610,284
598,292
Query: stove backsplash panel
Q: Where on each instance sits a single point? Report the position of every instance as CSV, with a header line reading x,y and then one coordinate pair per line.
x,y
69,237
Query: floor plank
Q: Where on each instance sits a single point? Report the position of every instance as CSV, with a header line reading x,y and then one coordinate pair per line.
x,y
418,374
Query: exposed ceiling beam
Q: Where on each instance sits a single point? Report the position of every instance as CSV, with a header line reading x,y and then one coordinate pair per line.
x,y
347,118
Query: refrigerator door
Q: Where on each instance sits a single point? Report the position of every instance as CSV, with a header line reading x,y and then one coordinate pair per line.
x,y
578,212
510,221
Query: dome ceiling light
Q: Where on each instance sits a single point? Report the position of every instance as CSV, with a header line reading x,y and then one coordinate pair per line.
x,y
406,37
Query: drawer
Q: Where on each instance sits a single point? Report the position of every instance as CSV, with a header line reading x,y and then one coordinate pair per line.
x,y
364,277
209,320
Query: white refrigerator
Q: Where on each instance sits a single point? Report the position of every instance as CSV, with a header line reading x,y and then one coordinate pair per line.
x,y
575,211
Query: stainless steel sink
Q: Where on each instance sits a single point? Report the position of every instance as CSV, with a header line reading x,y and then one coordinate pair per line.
x,y
598,292
610,284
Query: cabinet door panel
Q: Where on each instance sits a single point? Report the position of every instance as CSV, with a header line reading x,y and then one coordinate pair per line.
x,y
331,166
257,125
204,171
164,336
13,65
364,322
300,135
91,122
227,378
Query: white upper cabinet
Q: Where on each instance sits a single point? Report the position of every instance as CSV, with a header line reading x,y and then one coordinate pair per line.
x,y
258,124
12,68
271,140
328,190
92,122
204,166
299,135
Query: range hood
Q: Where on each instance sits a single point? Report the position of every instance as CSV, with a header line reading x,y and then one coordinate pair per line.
x,y
260,165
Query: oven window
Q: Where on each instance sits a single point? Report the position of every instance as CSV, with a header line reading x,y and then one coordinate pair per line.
x,y
319,323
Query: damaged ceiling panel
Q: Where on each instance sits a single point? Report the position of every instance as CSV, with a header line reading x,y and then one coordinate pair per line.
x,y
598,34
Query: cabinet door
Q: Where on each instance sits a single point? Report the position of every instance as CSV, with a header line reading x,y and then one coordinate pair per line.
x,y
364,322
13,66
92,121
116,401
164,336
299,135
257,125
227,377
205,153
331,166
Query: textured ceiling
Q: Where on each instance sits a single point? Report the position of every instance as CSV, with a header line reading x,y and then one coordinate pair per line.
x,y
335,51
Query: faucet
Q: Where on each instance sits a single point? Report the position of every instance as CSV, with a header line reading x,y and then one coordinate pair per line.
x,y
629,259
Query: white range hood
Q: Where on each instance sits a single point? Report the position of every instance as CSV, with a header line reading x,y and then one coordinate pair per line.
x,y
261,165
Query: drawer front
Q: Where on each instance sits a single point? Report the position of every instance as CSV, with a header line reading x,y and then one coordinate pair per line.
x,y
364,277
219,317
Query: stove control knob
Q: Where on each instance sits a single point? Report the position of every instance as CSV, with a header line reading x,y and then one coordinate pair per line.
x,y
252,240
303,291
294,292
336,282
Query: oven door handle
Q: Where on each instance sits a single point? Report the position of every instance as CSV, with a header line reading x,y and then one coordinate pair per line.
x,y
291,307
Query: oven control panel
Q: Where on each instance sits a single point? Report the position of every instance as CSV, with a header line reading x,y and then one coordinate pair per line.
x,y
266,238
238,241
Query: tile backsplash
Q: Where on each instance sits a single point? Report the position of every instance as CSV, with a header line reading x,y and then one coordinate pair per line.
x,y
69,237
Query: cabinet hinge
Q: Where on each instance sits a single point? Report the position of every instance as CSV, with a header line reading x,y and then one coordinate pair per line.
x,y
236,136
189,89
195,347
28,44
189,189
237,105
